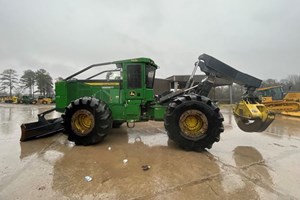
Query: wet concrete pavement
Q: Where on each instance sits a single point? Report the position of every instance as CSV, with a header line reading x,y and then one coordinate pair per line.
x,y
241,166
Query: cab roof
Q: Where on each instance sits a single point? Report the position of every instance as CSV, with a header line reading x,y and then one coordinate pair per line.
x,y
137,60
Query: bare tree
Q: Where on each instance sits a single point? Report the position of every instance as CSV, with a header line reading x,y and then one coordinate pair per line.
x,y
8,80
44,82
28,80
295,82
270,82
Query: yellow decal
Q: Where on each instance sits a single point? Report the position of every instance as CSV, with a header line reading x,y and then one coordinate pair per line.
x,y
104,84
132,93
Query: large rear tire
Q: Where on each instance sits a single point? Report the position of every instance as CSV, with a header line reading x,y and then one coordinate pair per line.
x,y
87,120
194,122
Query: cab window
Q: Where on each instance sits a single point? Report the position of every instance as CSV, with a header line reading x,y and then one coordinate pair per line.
x,y
150,74
134,76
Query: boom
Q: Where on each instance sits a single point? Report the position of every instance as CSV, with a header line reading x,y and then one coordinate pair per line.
x,y
214,68
250,115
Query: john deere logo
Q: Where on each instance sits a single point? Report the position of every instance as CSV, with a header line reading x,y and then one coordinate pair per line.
x,y
132,93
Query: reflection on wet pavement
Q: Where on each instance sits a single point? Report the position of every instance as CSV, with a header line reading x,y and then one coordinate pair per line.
x,y
241,166
285,126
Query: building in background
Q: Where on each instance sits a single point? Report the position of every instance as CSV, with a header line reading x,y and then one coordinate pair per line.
x,y
176,82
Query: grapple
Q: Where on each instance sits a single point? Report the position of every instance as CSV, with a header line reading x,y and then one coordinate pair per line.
x,y
252,116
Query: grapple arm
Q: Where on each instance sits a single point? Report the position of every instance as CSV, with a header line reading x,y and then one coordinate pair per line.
x,y
210,65
250,115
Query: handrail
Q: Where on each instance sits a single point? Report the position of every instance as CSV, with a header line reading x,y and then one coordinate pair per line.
x,y
87,68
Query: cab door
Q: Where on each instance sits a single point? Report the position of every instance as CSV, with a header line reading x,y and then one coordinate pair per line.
x,y
134,85
134,90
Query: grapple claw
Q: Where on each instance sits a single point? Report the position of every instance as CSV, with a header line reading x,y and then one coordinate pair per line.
x,y
252,117
254,125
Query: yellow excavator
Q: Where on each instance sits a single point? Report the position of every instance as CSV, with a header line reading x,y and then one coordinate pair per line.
x,y
10,99
276,100
44,100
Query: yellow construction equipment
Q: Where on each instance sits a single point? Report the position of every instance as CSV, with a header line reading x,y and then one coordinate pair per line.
x,y
277,101
44,100
252,116
10,99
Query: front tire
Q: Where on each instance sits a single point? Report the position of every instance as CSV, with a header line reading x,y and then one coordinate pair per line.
x,y
87,120
194,122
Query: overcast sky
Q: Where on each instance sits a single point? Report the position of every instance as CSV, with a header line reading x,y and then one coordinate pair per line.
x,y
258,37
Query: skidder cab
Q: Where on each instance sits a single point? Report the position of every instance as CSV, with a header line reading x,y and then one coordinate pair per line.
x,y
92,105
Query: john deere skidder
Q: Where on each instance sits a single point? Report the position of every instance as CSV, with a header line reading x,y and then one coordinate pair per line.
x,y
92,106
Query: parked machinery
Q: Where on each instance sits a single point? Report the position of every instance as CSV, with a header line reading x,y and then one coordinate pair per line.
x,y
10,99
44,100
27,100
91,106
276,100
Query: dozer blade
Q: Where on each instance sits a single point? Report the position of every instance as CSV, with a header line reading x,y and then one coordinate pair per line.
x,y
41,128
252,117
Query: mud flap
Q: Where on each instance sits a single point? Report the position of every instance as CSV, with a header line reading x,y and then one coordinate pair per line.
x,y
254,125
42,127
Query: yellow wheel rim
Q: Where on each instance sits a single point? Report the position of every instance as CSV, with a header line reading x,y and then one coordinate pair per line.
x,y
193,124
82,122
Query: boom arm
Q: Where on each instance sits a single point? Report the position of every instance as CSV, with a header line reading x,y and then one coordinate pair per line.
x,y
214,68
250,115
210,65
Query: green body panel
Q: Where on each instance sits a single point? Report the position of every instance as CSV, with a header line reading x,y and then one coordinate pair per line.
x,y
133,110
129,98
68,91
157,112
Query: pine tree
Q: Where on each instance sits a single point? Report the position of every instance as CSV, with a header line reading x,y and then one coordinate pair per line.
x,y
28,81
8,80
